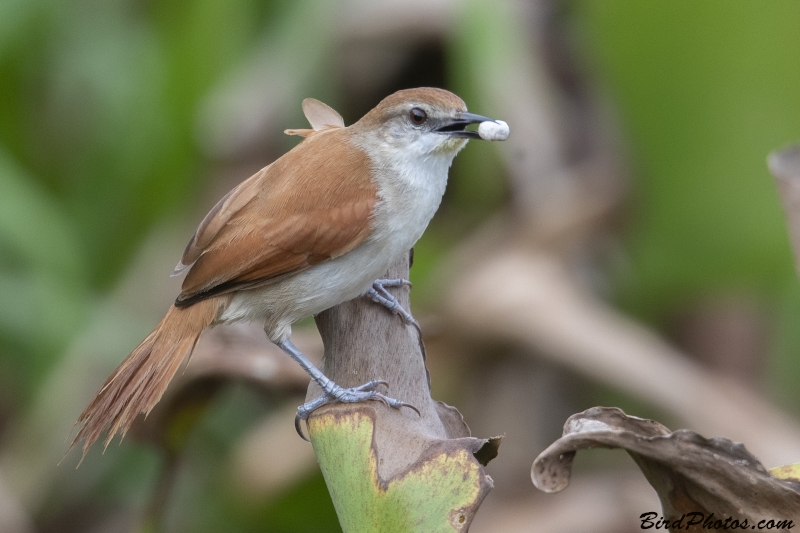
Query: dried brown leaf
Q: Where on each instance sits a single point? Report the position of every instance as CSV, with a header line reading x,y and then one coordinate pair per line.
x,y
689,472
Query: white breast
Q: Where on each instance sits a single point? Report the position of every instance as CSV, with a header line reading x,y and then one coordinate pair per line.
x,y
411,189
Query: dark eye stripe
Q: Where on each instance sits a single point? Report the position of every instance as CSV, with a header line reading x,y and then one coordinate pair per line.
x,y
418,116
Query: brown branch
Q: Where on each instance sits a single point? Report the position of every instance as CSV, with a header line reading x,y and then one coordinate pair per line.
x,y
13,516
530,299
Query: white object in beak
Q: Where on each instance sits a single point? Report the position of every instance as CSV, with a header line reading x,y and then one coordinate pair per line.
x,y
493,131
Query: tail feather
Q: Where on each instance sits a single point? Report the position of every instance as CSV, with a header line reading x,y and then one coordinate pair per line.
x,y
141,379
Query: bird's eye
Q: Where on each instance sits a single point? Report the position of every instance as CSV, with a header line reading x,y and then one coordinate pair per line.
x,y
418,116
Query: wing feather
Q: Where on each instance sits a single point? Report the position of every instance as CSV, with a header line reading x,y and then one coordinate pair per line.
x,y
215,220
311,205
321,116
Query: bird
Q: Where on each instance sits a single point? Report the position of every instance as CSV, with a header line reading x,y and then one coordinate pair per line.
x,y
317,227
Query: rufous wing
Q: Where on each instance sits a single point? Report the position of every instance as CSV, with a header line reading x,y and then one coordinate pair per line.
x,y
215,220
311,205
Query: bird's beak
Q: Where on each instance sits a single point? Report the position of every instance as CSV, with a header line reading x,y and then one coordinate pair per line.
x,y
457,127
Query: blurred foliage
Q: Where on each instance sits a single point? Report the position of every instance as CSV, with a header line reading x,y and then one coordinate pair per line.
x,y
97,114
705,91
99,104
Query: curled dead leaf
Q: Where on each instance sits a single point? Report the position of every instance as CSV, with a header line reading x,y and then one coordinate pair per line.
x,y
690,473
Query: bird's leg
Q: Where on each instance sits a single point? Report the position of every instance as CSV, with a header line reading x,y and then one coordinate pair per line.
x,y
379,294
332,392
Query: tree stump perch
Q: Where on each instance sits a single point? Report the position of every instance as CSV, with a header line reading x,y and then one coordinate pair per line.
x,y
388,469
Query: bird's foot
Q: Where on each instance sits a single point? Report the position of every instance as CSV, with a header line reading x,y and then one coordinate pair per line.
x,y
379,294
333,393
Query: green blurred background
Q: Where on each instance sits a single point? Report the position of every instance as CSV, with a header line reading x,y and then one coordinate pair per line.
x,y
115,122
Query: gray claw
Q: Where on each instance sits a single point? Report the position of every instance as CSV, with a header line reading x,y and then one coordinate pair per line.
x,y
400,404
356,394
297,426
333,392
380,295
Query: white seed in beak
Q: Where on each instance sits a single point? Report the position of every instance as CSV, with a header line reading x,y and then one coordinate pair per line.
x,y
493,131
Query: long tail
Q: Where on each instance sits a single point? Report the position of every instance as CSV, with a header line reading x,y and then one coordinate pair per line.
x,y
139,381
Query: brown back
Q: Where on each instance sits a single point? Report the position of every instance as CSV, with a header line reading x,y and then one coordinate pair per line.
x,y
311,205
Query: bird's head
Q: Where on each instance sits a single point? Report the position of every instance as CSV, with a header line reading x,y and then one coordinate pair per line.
x,y
421,122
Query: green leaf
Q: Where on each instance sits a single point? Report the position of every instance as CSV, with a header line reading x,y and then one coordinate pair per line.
x,y
33,227
431,497
787,472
